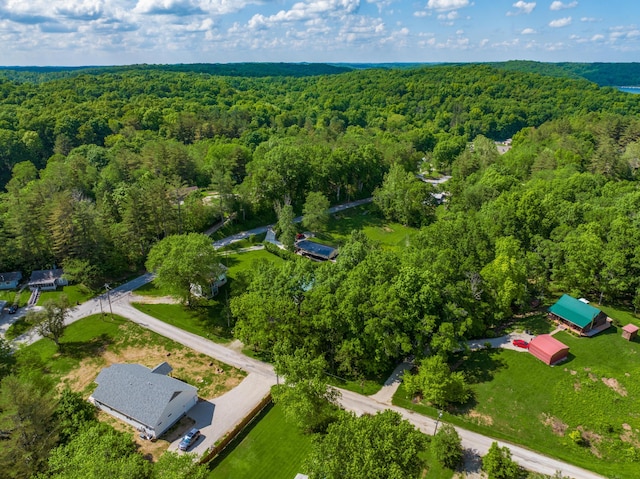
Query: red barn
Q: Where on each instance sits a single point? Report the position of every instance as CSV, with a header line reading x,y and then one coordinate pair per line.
x,y
548,349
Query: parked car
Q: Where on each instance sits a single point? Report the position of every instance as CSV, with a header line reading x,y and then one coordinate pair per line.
x,y
521,343
189,439
12,309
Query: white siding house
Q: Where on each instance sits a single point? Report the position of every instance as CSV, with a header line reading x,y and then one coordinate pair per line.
x,y
147,399
47,279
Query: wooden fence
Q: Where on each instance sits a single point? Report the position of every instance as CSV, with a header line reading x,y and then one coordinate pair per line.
x,y
230,436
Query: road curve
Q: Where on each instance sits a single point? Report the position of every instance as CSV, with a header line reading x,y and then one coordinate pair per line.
x,y
118,300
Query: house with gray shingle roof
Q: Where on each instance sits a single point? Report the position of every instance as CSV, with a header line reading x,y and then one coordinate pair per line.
x,y
47,279
145,398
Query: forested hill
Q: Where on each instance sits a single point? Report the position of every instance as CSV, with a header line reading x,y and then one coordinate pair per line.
x,y
92,165
42,74
604,74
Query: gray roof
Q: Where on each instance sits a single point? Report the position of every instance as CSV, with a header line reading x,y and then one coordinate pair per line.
x,y
13,276
137,392
45,275
162,368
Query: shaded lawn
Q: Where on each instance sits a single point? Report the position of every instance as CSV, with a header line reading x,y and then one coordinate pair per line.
x,y
16,329
80,340
520,399
270,448
76,293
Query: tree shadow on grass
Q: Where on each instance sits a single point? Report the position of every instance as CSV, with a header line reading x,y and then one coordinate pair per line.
x,y
481,366
83,349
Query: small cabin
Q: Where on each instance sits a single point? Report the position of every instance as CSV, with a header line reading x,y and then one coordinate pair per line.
x,y
580,317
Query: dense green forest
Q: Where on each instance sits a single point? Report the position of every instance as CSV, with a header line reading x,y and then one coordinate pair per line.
x,y
604,74
97,168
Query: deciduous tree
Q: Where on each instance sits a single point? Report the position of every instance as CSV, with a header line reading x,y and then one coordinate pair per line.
x,y
446,446
498,463
180,261
50,321
384,446
315,212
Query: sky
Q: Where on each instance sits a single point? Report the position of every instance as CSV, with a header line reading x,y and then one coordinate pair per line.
x,y
120,32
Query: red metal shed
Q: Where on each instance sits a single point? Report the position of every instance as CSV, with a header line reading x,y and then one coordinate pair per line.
x,y
548,349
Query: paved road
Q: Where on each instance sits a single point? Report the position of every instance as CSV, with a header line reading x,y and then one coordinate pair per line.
x,y
263,376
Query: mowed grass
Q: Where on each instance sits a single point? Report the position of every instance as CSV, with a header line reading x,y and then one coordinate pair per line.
x,y
520,399
271,448
207,320
10,295
366,219
76,293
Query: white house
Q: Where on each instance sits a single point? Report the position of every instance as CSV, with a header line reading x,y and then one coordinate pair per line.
x,y
211,290
10,280
47,279
146,398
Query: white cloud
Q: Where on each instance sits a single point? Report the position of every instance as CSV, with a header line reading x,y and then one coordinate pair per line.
x,y
304,11
483,42
597,38
522,7
528,31
449,16
557,5
560,22
445,5
420,14
588,19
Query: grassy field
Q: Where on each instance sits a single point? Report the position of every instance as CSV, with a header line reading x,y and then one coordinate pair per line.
x,y
270,449
596,392
207,321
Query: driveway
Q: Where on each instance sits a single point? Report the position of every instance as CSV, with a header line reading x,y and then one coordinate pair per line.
x,y
505,342
218,416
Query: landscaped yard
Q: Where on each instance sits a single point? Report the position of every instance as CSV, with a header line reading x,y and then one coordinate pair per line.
x,y
270,449
596,393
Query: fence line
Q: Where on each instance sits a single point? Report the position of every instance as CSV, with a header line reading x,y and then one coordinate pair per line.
x,y
231,435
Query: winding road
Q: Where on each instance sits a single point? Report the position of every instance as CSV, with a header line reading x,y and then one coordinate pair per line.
x,y
263,376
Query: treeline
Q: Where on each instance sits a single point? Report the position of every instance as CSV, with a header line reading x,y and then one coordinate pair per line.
x,y
604,74
96,167
44,74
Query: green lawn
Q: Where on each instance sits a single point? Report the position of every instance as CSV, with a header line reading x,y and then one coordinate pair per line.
x,y
75,292
364,218
207,321
16,329
10,296
270,449
80,340
519,398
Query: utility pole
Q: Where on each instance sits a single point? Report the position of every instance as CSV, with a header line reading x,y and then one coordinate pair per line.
x,y
106,286
437,420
